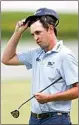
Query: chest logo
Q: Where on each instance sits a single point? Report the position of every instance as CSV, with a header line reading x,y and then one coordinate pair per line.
x,y
50,64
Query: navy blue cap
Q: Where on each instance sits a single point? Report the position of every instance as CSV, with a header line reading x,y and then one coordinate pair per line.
x,y
42,12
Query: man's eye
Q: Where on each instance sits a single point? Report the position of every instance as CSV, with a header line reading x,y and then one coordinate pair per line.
x,y
37,32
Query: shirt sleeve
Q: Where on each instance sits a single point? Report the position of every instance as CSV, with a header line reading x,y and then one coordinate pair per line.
x,y
70,69
26,58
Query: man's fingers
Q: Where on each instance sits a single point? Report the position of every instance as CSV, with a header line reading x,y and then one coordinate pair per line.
x,y
37,94
21,23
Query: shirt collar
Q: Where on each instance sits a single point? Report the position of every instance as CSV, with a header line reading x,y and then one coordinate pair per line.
x,y
57,47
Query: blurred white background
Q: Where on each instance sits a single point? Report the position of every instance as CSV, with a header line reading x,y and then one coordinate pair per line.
x,y
61,6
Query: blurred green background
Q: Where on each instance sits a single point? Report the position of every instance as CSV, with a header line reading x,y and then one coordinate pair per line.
x,y
67,29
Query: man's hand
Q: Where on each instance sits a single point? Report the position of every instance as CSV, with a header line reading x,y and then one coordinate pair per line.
x,y
21,26
42,97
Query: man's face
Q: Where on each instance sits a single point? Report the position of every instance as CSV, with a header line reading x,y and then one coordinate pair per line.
x,y
40,34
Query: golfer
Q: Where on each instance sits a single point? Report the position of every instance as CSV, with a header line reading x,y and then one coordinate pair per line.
x,y
50,61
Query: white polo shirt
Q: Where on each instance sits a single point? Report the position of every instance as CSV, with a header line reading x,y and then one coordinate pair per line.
x,y
46,68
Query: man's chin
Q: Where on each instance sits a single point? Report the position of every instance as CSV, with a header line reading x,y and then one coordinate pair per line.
x,y
42,46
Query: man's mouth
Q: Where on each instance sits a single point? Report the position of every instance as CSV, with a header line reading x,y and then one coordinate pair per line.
x,y
38,42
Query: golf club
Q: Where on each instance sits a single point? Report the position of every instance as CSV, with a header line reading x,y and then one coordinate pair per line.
x,y
16,113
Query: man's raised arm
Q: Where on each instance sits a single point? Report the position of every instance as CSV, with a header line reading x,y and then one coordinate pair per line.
x,y
9,56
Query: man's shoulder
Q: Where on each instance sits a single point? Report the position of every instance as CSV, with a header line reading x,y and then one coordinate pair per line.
x,y
33,51
36,50
65,52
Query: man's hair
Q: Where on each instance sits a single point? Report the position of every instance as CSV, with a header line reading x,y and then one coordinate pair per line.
x,y
45,20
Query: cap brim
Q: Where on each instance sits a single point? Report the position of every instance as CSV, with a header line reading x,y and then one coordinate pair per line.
x,y
31,18
36,16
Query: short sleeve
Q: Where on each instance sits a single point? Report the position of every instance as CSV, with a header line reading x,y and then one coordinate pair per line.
x,y
26,58
70,69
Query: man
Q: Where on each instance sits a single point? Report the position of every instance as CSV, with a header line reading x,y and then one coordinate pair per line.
x,y
49,62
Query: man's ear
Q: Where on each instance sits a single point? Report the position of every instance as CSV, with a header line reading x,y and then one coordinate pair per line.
x,y
51,28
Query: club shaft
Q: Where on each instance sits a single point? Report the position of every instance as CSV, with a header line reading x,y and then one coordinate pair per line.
x,y
25,102
40,91
51,84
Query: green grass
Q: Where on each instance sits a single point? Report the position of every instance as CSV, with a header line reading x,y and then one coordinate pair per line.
x,y
67,29
14,93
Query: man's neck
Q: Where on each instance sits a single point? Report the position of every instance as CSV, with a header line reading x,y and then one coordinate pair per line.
x,y
51,45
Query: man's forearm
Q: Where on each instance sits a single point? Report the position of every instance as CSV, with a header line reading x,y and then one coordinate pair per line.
x,y
62,96
10,49
9,55
65,96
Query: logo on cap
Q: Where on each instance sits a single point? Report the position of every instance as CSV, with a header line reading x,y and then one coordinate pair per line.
x,y
39,11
